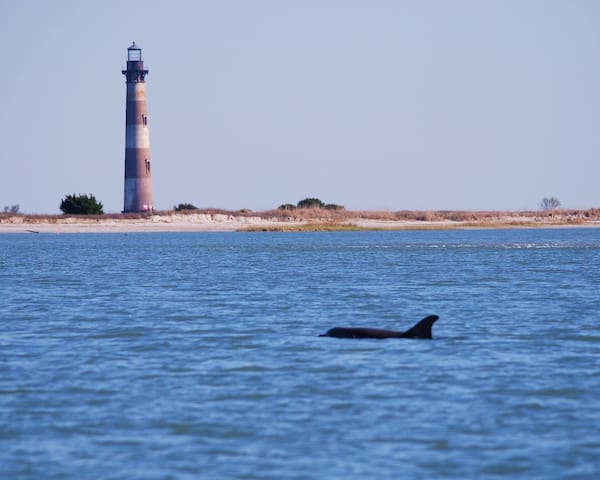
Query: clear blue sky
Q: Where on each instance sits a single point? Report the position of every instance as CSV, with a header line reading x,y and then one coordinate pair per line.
x,y
376,104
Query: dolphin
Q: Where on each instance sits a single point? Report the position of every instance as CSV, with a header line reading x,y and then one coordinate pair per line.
x,y
421,330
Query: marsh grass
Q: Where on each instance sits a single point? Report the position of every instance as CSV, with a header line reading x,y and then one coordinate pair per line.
x,y
310,227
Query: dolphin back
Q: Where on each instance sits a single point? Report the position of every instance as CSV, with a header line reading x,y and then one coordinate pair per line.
x,y
422,329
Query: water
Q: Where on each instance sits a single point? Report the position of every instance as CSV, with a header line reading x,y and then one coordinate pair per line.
x,y
184,356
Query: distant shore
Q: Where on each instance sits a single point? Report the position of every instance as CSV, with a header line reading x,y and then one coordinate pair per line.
x,y
213,220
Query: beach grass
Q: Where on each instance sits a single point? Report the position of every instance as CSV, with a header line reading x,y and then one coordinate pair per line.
x,y
298,220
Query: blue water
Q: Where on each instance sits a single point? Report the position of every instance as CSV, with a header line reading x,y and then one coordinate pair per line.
x,y
184,356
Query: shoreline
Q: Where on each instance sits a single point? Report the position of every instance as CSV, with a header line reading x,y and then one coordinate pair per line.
x,y
311,221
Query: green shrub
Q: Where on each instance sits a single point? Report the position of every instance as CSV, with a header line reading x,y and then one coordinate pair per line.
x,y
185,206
81,205
333,206
286,206
310,203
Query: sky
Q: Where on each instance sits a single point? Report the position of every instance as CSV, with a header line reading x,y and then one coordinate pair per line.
x,y
373,104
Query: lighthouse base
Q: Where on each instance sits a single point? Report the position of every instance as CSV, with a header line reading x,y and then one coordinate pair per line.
x,y
138,195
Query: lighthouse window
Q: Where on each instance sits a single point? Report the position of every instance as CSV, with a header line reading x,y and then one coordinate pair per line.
x,y
145,120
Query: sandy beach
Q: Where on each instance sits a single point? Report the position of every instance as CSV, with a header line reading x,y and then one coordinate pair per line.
x,y
152,223
222,222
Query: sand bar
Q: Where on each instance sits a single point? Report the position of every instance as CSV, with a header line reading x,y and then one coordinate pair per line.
x,y
206,222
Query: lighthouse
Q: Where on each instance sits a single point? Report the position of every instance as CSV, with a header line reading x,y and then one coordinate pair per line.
x,y
138,166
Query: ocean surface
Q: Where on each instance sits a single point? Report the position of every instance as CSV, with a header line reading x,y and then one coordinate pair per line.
x,y
186,356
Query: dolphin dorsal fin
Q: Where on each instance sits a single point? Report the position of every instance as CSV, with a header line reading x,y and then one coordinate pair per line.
x,y
422,329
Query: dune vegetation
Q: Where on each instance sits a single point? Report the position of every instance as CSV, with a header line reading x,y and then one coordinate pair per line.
x,y
322,219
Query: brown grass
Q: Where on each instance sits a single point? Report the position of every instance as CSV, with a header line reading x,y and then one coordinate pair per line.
x,y
342,219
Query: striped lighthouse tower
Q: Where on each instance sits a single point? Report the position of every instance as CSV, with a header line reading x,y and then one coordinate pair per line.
x,y
138,168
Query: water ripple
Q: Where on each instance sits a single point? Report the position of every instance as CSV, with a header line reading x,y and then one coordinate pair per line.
x,y
198,356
